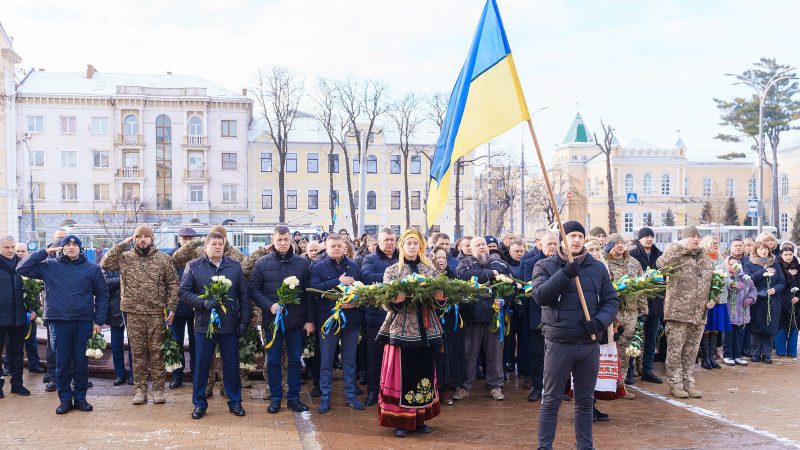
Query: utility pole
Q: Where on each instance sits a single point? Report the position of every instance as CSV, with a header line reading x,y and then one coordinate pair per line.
x,y
522,190
488,191
480,203
362,184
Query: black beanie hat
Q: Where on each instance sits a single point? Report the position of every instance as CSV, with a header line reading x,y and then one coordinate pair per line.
x,y
574,225
645,231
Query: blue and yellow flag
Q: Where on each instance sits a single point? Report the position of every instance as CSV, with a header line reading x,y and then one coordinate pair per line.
x,y
486,101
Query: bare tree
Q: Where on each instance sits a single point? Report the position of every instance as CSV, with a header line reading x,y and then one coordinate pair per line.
x,y
505,189
121,217
325,114
605,147
406,116
278,92
538,200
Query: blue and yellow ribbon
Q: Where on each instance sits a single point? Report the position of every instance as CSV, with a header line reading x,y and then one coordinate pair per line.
x,y
30,326
277,323
212,321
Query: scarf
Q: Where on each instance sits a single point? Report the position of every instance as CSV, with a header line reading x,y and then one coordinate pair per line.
x,y
759,261
577,258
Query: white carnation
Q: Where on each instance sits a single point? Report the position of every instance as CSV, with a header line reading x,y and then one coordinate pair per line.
x,y
292,282
98,353
89,352
215,278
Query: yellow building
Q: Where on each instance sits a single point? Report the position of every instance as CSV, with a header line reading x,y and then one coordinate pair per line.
x,y
308,194
8,160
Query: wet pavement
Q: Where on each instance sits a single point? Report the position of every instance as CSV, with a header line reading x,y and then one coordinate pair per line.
x,y
742,407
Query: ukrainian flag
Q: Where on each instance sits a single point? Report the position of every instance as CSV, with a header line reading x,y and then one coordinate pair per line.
x,y
486,101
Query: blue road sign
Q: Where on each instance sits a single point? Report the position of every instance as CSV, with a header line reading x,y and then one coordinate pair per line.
x,y
633,198
33,246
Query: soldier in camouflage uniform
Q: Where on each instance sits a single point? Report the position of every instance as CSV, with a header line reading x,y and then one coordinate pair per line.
x,y
148,286
685,308
196,250
620,263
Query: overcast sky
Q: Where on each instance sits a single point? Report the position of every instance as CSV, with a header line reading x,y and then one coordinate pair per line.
x,y
649,68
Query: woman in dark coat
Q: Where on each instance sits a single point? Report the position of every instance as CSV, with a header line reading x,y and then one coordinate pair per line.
x,y
786,337
451,370
765,313
117,324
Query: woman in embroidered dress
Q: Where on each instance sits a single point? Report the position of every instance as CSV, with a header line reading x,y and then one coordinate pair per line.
x,y
412,335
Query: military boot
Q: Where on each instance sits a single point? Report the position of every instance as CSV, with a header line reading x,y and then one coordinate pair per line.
x,y
694,393
678,392
159,397
140,398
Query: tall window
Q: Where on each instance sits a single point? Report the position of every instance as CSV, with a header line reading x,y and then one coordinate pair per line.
x,y
415,164
394,163
291,199
69,159
38,191
101,193
647,185
131,191
395,199
707,187
195,126
131,125
312,164
313,199
461,200
229,128
785,184
36,124
99,125
662,218
195,193
229,161
751,188
730,187
628,222
372,201
647,219
784,222
333,163
333,201
666,184
69,192
164,162
228,193
69,124
372,164
266,199
101,159
356,164
686,186
266,162
416,197
291,162
628,183
37,158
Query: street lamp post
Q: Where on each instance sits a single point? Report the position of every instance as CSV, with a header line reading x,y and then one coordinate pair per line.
x,y
30,184
522,180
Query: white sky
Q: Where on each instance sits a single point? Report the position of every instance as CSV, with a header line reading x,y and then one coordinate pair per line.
x,y
649,68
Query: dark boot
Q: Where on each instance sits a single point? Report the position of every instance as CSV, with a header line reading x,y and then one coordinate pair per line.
x,y
2,382
705,363
631,373
712,350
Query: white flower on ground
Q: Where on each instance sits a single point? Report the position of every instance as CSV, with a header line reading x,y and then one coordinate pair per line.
x,y
98,353
89,352
292,282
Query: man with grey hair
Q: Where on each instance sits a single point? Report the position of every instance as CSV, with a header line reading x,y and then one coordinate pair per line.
x,y
548,242
13,315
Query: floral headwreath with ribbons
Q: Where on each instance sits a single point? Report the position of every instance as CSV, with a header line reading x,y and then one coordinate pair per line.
x,y
413,233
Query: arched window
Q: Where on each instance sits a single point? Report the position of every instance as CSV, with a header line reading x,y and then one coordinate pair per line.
x,y
163,162
355,198
785,184
666,184
356,164
647,185
131,125
372,201
195,126
372,164
628,183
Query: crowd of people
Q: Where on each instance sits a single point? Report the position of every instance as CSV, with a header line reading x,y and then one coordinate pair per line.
x,y
409,360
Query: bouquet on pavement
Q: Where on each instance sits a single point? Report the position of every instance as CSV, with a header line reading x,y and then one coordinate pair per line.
x,y
217,292
288,294
636,343
31,292
250,348
95,346
171,351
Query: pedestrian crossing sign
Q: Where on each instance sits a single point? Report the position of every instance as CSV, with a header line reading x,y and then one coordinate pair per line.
x,y
633,198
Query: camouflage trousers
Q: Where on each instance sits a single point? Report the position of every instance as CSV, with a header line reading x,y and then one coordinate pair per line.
x,y
628,321
683,341
144,338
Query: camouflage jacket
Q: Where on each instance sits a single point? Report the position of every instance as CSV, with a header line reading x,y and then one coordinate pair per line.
x,y
148,284
250,261
687,290
196,250
627,265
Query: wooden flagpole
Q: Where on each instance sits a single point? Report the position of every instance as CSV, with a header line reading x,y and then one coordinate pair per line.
x,y
558,219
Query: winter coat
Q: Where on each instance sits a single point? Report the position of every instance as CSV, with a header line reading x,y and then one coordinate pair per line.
x,y
148,283
480,311
12,309
687,292
324,276
528,261
267,276
404,325
75,290
557,294
372,270
182,310
792,281
758,312
197,275
114,317
655,303
745,296
532,311
628,311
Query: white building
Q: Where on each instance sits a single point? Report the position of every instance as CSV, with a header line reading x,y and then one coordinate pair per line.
x,y
8,183
168,148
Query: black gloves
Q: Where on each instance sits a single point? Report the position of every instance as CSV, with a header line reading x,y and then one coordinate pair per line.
x,y
209,304
593,327
572,269
242,329
620,330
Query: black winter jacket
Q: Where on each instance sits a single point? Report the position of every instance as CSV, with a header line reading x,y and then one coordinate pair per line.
x,y
324,276
372,270
268,274
655,304
533,312
557,294
197,275
480,311
183,310
114,317
12,309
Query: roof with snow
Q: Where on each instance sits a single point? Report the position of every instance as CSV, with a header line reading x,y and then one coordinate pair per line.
x,y
639,143
578,132
106,84
309,129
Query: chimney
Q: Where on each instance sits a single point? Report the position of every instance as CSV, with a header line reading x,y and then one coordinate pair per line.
x,y
244,92
90,71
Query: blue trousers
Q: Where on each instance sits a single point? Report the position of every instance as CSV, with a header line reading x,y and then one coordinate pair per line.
x,y
781,339
651,327
349,338
204,356
734,341
180,325
69,339
294,350
118,352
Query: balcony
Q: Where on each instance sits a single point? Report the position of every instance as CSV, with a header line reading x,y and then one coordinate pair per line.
x,y
130,173
195,140
195,173
130,139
